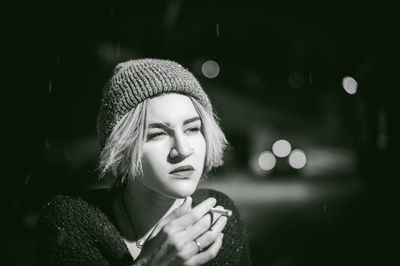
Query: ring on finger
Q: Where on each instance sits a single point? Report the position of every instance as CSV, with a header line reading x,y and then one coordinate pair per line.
x,y
199,248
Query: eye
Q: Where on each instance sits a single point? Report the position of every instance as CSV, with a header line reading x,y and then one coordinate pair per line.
x,y
193,130
155,135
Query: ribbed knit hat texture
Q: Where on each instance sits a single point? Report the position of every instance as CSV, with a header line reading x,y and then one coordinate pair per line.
x,y
134,81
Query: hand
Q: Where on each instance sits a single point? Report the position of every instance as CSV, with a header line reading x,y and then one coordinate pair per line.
x,y
173,241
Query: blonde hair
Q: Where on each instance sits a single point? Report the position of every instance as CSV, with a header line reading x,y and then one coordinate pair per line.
x,y
122,153
215,138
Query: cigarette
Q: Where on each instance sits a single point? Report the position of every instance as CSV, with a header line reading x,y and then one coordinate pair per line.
x,y
222,211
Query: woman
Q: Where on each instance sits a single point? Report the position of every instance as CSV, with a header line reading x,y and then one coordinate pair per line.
x,y
158,137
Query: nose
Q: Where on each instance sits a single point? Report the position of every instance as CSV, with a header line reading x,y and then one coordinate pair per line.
x,y
181,148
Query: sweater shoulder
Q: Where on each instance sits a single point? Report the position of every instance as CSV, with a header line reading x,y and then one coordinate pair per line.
x,y
73,230
65,203
73,210
64,206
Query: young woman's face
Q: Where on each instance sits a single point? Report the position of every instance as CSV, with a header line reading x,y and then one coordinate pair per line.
x,y
175,148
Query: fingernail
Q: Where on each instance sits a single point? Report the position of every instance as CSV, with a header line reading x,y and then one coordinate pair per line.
x,y
213,201
187,199
184,201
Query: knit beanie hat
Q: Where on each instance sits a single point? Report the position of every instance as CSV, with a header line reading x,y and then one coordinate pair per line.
x,y
134,81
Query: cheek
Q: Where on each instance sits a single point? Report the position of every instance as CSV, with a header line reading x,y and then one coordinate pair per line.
x,y
154,158
200,146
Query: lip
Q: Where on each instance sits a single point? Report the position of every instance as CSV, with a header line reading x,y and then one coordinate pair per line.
x,y
185,170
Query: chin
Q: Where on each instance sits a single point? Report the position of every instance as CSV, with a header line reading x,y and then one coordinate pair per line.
x,y
182,191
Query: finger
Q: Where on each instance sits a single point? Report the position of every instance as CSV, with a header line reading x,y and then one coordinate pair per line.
x,y
201,227
211,235
216,215
184,244
187,251
184,208
207,255
205,240
186,220
210,218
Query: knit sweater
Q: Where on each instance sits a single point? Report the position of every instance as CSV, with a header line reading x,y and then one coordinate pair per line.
x,y
80,229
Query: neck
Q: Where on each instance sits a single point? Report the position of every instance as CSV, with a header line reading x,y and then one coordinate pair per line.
x,y
145,207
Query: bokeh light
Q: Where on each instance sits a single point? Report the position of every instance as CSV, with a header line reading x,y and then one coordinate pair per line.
x,y
350,85
297,159
281,148
266,160
210,69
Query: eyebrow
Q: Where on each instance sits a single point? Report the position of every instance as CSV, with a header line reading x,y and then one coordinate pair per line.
x,y
169,126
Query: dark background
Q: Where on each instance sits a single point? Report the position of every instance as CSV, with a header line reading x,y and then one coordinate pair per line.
x,y
281,70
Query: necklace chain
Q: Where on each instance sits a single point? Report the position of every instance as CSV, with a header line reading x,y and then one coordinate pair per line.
x,y
139,242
